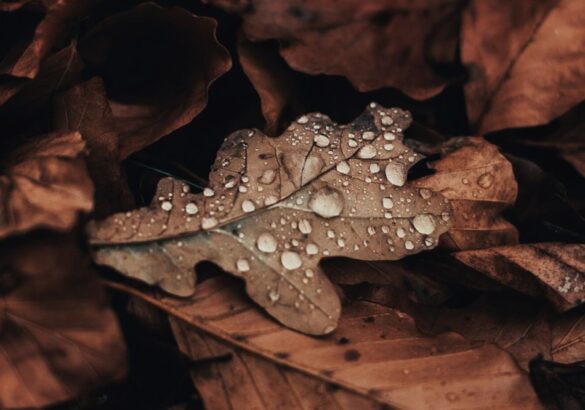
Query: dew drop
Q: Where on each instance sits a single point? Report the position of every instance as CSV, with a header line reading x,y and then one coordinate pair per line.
x,y
327,202
374,168
309,273
267,177
485,180
429,241
343,167
242,265
371,230
303,120
208,223
387,203
270,200
424,223
290,260
352,143
305,226
341,242
367,152
248,206
425,193
409,245
395,174
401,233
191,208
273,295
321,140
266,243
208,192
388,136
387,120
166,206
368,135
312,249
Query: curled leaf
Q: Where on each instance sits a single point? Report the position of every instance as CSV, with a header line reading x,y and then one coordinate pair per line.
x,y
152,88
275,207
45,185
480,183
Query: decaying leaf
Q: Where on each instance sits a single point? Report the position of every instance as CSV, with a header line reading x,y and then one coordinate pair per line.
x,y
554,269
58,336
526,61
376,353
363,41
44,184
152,88
479,182
275,207
568,331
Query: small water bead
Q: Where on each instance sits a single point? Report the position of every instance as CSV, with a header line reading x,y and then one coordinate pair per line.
x,y
242,188
374,168
166,206
387,120
208,192
395,174
290,260
389,136
230,183
352,143
309,273
367,152
303,120
312,249
388,147
321,140
341,242
424,223
326,202
305,226
368,135
267,177
425,193
409,245
191,208
465,181
273,295
208,223
242,265
343,167
400,232
371,230
331,234
266,243
186,189
248,206
485,180
387,203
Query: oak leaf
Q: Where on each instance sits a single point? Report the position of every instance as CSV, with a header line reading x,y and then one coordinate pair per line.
x,y
375,354
58,337
275,207
152,88
526,61
44,184
363,41
479,182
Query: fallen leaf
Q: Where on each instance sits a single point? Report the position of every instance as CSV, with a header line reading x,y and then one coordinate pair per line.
x,y
568,344
276,206
152,88
85,108
58,337
479,182
554,270
44,184
376,353
363,41
526,61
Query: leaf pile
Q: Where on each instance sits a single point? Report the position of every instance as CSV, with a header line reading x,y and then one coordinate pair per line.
x,y
288,204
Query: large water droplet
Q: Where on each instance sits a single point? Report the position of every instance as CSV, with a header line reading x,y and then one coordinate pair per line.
x,y
248,206
266,243
395,174
387,203
166,206
485,180
321,140
208,192
303,120
290,260
424,223
327,202
368,135
312,249
343,167
191,208
386,120
305,226
367,152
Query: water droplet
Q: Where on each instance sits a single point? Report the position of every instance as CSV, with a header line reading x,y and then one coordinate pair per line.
x,y
312,249
352,143
191,208
409,245
388,147
429,241
267,177
341,242
208,192
321,140
387,120
387,203
371,230
331,234
367,152
303,120
305,226
270,200
485,180
166,206
374,168
401,233
208,223
242,265
395,174
266,243
242,188
309,273
326,202
248,206
273,296
389,136
465,181
425,193
343,167
368,135
231,182
424,223
290,260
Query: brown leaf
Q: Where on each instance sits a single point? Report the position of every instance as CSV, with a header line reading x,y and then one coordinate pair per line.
x,y
363,41
152,88
568,343
376,353
58,337
553,269
85,108
44,184
526,61
276,206
479,182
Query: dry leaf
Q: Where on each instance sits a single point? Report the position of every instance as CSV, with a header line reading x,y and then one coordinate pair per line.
x,y
363,41
526,60
376,352
44,184
154,89
568,345
275,207
58,336
554,269
479,182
